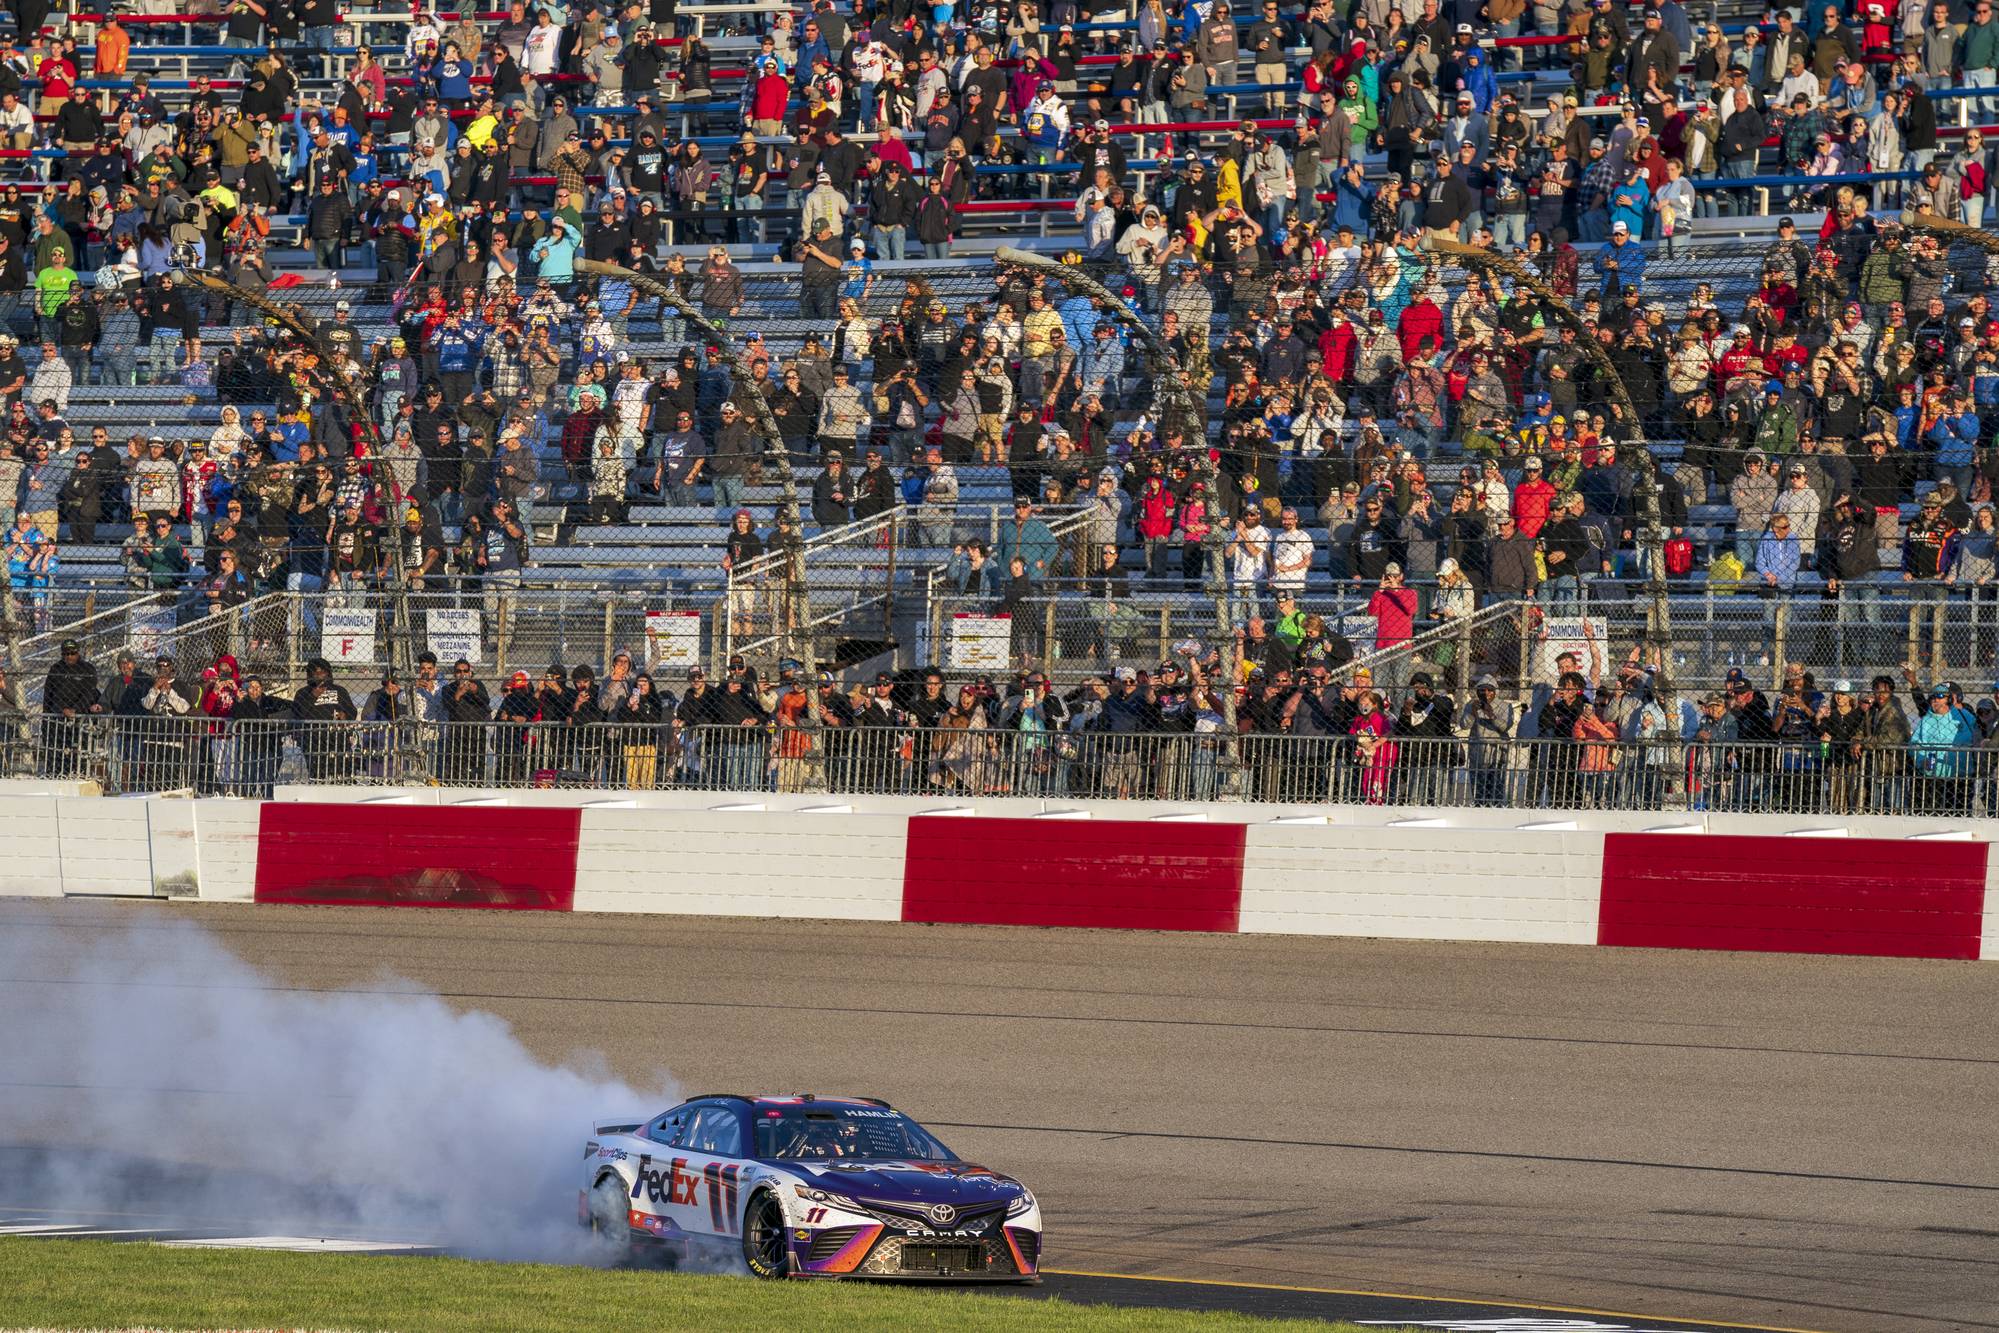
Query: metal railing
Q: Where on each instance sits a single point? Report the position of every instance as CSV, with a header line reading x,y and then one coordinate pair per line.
x,y
169,626
1483,768
775,599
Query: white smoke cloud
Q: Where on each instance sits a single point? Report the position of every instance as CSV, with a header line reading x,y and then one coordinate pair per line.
x,y
147,1072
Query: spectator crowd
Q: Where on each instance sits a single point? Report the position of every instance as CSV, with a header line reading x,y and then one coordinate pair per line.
x,y
1272,194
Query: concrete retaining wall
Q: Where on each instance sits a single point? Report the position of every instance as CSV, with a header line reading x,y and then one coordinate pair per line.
x,y
1899,887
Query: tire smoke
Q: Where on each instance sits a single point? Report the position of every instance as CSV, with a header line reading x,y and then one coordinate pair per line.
x,y
147,1072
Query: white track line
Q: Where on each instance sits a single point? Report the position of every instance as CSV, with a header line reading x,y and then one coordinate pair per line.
x,y
330,1244
45,1229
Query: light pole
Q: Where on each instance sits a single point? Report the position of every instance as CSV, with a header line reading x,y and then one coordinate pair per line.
x,y
798,611
1659,625
1182,404
332,379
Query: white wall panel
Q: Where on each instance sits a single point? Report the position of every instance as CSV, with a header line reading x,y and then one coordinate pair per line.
x,y
226,838
174,848
741,863
1422,883
32,864
1988,944
107,846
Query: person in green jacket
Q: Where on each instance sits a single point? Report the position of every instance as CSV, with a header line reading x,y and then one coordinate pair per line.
x,y
1776,424
1290,619
1360,112
52,287
1884,277
1980,56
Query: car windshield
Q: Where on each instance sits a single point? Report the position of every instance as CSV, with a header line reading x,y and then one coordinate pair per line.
x,y
844,1133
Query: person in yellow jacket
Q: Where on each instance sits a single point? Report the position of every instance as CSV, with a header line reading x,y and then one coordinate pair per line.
x,y
482,127
1228,181
436,225
221,198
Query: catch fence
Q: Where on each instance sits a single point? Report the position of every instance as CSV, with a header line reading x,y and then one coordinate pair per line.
x,y
1375,766
1069,629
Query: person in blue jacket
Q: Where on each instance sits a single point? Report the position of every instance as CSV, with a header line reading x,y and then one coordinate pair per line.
x,y
1632,201
1621,262
555,254
1029,538
1478,80
458,355
1353,205
1942,742
454,77
1955,438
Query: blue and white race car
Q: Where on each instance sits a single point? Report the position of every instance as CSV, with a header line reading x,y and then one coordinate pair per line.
x,y
806,1186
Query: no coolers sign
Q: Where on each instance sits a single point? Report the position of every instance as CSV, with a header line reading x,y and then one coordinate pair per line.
x,y
453,635
347,636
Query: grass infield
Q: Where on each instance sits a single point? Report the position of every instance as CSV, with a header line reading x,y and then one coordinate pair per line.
x,y
94,1284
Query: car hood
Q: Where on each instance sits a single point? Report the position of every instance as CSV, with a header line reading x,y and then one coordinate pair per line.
x,y
959,1183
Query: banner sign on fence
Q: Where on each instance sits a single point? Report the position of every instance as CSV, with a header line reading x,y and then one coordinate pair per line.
x,y
981,643
347,636
454,635
673,638
1565,635
151,632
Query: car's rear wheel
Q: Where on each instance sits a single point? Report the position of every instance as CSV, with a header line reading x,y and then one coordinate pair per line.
x,y
610,1223
764,1250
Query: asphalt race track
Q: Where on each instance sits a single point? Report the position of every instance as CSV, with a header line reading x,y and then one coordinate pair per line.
x,y
1756,1140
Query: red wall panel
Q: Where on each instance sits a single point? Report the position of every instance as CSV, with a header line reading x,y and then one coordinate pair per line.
x,y
1883,897
417,855
1081,872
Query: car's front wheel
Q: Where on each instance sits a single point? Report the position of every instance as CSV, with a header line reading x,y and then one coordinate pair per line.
x,y
764,1250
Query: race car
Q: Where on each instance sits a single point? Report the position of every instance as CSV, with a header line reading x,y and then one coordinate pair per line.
x,y
805,1187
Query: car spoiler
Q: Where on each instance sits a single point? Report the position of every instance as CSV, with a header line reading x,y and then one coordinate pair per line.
x,y
616,1128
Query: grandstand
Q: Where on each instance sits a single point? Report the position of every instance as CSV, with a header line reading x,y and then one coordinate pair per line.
x,y
1766,236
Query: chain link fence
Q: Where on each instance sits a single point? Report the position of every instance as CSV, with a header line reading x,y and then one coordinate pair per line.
x,y
1369,766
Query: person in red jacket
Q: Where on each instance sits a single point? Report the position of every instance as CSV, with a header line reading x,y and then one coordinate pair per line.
x,y
1156,507
770,100
1196,522
1339,350
1532,499
1421,321
1742,358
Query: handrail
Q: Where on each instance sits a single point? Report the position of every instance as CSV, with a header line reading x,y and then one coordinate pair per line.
x,y
846,533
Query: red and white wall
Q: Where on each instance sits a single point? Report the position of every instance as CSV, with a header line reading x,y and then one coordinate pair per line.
x,y
1893,887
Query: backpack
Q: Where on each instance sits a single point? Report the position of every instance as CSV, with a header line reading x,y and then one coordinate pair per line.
x,y
1725,572
1679,554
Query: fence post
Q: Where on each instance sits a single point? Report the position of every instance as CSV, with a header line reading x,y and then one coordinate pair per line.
x,y
500,635
1777,654
1523,687
935,613
728,609
1913,647
610,628
1939,660
888,579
